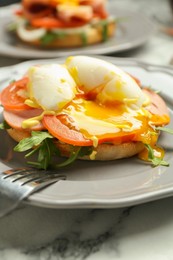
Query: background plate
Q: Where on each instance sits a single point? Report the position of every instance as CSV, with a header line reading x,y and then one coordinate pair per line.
x,y
133,30
103,184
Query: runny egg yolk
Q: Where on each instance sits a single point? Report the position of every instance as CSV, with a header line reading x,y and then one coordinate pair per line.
x,y
110,123
113,124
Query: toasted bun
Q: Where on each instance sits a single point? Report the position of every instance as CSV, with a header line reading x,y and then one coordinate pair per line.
x,y
104,152
18,135
107,152
93,35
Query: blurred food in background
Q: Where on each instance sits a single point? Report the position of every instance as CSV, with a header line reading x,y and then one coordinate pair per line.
x,y
63,23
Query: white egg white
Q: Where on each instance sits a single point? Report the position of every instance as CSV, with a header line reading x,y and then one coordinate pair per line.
x,y
51,86
91,73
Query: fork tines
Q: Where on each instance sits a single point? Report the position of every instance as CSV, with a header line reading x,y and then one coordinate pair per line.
x,y
28,175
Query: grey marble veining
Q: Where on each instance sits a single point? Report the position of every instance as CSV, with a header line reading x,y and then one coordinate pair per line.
x,y
68,234
37,233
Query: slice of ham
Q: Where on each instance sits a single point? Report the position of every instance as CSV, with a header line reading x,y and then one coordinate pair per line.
x,y
157,107
15,118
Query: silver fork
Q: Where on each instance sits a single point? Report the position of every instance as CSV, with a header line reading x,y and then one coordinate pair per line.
x,y
18,184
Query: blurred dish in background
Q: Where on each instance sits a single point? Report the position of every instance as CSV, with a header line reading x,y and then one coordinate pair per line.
x,y
63,23
133,30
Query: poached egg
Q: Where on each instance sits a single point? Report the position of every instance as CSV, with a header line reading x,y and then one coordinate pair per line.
x,y
115,84
116,109
50,87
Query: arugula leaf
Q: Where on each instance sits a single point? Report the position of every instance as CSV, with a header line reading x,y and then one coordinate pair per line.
x,y
37,137
85,150
39,141
84,38
73,156
104,25
46,152
75,153
4,125
51,36
42,144
165,129
36,149
156,161
44,155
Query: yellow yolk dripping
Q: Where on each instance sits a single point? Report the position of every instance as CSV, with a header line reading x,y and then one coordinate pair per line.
x,y
96,121
158,152
95,141
93,155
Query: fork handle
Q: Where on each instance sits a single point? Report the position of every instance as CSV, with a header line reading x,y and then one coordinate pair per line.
x,y
20,196
7,209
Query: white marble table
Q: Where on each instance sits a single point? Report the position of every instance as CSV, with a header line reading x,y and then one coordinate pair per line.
x,y
142,232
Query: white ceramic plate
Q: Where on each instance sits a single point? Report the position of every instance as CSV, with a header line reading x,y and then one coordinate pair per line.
x,y
104,184
133,30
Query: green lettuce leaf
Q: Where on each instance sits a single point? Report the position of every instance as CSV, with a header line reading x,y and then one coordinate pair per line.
x,y
37,137
165,129
156,161
42,144
4,125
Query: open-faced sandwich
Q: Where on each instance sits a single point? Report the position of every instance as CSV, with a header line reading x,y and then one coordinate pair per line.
x,y
86,108
64,23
